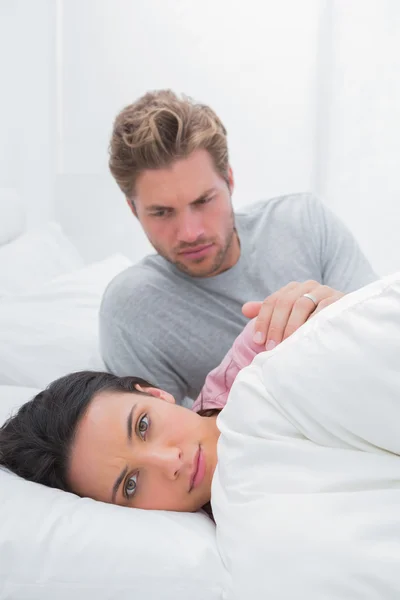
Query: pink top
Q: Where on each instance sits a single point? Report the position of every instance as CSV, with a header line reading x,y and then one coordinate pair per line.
x,y
214,393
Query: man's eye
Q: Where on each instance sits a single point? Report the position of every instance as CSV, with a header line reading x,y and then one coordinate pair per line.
x,y
160,213
130,486
143,426
204,200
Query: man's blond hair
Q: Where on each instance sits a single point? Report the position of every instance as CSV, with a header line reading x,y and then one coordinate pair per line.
x,y
157,130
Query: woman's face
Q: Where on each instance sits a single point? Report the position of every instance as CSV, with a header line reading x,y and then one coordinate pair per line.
x,y
144,452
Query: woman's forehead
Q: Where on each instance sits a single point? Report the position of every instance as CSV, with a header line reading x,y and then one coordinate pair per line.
x,y
99,449
109,406
102,422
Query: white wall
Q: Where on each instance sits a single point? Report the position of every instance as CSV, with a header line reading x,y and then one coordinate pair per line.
x,y
27,124
253,62
8,144
359,157
309,92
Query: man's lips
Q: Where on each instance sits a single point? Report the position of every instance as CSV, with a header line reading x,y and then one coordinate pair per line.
x,y
197,251
199,469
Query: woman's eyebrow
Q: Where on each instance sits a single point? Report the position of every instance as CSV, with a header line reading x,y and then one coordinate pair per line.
x,y
129,429
129,422
117,483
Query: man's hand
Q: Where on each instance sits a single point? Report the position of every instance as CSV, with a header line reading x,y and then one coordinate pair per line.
x,y
284,311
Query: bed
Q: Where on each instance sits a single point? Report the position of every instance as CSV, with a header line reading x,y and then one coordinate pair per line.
x,y
54,544
306,494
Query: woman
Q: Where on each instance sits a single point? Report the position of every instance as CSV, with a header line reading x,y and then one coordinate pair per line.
x,y
122,440
125,441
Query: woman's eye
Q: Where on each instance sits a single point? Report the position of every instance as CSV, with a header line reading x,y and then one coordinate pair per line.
x,y
130,486
143,426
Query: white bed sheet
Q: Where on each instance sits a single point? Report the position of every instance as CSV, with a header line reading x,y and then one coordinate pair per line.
x,y
306,495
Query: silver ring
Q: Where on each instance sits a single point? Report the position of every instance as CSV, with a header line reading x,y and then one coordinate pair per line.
x,y
312,298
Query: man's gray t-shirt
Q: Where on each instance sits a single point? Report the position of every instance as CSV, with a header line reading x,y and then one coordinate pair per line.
x,y
172,329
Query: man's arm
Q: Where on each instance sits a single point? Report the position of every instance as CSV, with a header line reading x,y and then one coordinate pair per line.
x,y
342,265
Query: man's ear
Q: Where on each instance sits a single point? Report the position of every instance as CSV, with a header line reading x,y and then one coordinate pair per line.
x,y
131,205
156,392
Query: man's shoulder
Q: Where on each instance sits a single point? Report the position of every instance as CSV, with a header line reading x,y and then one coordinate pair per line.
x,y
277,208
280,222
292,216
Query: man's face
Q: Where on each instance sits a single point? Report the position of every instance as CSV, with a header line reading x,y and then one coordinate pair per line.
x,y
186,213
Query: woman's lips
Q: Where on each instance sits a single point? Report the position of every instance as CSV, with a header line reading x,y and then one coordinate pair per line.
x,y
199,469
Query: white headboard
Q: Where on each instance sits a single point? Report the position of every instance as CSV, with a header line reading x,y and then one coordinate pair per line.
x,y
95,216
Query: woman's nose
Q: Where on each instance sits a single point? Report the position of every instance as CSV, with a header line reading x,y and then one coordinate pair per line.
x,y
166,459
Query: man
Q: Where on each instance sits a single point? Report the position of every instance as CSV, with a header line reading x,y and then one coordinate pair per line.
x,y
172,317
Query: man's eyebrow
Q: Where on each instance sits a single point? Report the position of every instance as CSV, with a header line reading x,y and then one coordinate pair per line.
x,y
155,207
204,195
121,476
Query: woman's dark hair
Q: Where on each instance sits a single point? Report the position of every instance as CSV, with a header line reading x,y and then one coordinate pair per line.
x,y
35,443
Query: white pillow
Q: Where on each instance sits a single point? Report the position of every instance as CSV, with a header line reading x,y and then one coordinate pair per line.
x,y
36,257
306,494
12,215
54,330
54,545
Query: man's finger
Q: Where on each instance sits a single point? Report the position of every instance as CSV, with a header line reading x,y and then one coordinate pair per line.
x,y
251,309
309,295
266,310
282,316
261,325
328,301
302,309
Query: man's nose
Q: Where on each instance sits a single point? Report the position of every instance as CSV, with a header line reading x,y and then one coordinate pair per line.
x,y
166,459
190,227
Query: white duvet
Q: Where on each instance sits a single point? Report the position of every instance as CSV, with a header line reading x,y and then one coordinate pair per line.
x,y
306,495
